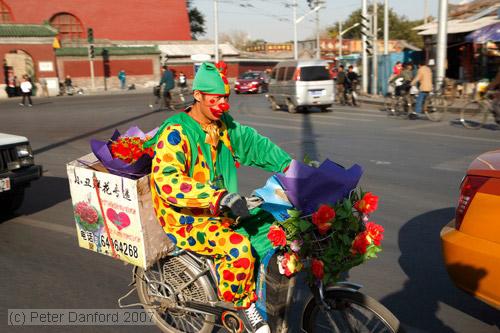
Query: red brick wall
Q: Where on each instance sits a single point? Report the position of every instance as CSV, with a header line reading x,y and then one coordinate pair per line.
x,y
38,53
81,68
115,20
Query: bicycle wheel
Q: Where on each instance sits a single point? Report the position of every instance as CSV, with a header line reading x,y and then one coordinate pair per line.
x,y
435,107
161,302
389,105
473,115
350,312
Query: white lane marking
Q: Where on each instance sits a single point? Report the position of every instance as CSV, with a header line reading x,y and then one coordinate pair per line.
x,y
380,162
456,136
46,225
426,125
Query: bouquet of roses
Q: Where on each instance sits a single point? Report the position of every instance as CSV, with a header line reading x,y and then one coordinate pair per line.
x,y
332,239
124,154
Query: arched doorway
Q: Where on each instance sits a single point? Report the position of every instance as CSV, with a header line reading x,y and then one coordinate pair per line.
x,y
5,13
16,64
69,26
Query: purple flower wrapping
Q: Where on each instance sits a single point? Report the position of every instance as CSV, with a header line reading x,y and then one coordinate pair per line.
x,y
135,170
307,187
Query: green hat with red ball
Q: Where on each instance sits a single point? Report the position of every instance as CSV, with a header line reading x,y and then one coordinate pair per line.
x,y
211,79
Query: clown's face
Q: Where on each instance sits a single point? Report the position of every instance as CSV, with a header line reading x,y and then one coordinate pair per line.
x,y
212,106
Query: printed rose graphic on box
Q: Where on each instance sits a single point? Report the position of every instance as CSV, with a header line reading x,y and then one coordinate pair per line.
x,y
88,217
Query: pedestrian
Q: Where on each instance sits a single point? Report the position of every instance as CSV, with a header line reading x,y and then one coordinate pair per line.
x,y
68,85
167,79
45,89
398,67
424,79
340,83
122,76
26,88
351,81
11,85
195,190
182,80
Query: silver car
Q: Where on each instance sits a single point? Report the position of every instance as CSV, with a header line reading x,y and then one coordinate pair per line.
x,y
301,84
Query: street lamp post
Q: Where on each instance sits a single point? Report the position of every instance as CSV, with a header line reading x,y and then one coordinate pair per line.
x,y
341,33
298,20
295,41
442,42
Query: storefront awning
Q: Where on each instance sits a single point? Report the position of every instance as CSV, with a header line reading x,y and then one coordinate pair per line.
x,y
460,26
490,33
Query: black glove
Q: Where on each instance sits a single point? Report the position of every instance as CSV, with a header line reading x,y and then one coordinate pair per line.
x,y
236,203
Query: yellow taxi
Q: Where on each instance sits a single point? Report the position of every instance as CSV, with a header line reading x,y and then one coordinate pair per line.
x,y
471,242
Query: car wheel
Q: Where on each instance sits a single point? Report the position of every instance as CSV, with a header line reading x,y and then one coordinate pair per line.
x,y
274,106
291,107
237,92
324,108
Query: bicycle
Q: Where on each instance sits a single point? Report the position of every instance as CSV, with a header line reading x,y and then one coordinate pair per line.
x,y
399,102
179,98
179,292
475,113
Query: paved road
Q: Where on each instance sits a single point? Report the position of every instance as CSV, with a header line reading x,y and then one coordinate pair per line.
x,y
415,167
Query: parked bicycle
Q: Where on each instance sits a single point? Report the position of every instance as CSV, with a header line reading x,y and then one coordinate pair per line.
x,y
475,114
179,292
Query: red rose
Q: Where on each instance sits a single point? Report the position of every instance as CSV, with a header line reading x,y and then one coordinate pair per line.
x,y
323,218
367,204
375,232
277,236
360,243
317,268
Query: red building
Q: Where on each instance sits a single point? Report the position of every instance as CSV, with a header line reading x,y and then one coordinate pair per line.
x,y
126,33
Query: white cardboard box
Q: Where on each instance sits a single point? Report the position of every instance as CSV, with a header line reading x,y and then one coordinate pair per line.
x,y
127,218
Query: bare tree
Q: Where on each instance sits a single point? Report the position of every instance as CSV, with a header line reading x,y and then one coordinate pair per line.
x,y
237,38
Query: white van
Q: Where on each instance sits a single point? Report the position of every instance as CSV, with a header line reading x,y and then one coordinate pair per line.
x,y
301,84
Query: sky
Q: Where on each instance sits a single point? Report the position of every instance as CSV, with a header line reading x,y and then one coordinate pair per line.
x,y
271,20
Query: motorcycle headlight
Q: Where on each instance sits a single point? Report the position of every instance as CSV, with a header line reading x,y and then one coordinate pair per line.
x,y
24,151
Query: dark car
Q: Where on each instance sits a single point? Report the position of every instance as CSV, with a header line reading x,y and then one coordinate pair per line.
x,y
251,82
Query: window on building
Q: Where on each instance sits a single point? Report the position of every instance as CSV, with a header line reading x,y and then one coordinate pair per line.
x,y
5,13
68,25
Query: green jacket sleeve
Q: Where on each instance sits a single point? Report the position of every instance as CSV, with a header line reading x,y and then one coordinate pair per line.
x,y
253,149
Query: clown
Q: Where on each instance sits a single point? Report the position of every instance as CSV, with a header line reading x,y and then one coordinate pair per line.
x,y
195,188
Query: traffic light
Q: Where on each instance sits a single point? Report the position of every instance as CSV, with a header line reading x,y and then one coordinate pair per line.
x,y
366,30
90,35
91,51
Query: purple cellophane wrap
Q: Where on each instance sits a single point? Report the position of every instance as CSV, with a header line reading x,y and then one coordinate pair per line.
x,y
118,167
307,187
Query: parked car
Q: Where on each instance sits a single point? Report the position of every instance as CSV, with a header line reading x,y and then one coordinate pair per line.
x,y
251,82
301,84
471,242
17,170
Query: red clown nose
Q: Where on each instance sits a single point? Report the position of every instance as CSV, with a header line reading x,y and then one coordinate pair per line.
x,y
224,107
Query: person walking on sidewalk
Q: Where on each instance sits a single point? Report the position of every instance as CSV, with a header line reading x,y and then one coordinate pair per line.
x,y
26,88
424,78
122,76
350,84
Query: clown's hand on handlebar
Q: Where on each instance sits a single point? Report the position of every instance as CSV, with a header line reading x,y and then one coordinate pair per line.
x,y
236,204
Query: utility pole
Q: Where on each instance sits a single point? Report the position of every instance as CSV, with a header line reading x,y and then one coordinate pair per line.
x,y
426,11
442,42
340,39
216,31
364,56
318,47
91,53
295,42
386,27
375,49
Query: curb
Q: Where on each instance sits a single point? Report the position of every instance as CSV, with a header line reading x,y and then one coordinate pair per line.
x,y
376,101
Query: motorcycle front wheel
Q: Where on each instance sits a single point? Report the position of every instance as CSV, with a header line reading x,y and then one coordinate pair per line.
x,y
349,312
161,303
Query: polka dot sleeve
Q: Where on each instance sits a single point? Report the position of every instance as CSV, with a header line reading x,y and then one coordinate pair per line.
x,y
170,174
